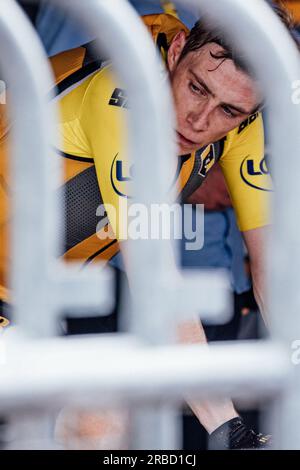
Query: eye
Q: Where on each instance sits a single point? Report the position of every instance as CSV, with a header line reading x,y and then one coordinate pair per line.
x,y
228,112
195,89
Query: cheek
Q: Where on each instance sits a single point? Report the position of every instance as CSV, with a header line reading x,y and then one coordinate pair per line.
x,y
223,125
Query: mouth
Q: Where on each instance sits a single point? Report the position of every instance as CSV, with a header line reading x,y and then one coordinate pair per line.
x,y
184,142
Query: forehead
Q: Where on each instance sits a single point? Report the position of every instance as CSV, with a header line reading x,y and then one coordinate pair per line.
x,y
227,82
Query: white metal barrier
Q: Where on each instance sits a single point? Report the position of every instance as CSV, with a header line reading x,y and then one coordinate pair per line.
x,y
40,369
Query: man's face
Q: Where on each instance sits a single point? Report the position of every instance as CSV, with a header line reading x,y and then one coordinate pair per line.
x,y
211,96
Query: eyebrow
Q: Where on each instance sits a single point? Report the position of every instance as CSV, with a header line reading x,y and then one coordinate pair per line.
x,y
204,85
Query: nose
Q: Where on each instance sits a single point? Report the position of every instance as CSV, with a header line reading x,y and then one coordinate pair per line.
x,y
199,120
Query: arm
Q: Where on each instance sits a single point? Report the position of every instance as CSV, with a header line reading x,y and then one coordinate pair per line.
x,y
249,184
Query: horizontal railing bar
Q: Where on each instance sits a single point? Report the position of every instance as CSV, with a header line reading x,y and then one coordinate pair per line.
x,y
81,370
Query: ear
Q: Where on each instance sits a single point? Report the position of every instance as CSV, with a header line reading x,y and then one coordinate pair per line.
x,y
175,49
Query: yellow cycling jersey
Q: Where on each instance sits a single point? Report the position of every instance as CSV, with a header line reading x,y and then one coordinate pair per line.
x,y
92,126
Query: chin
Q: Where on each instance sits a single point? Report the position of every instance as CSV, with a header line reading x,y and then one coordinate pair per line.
x,y
185,150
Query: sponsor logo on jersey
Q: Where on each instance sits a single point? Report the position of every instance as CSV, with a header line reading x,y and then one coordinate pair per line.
x,y
247,122
121,175
119,98
208,157
256,174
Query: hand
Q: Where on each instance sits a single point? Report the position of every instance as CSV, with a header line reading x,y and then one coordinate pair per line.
x,y
213,192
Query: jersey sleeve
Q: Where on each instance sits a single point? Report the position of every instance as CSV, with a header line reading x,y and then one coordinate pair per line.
x,y
247,176
103,120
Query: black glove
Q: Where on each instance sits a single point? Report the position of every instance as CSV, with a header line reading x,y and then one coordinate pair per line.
x,y
234,434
